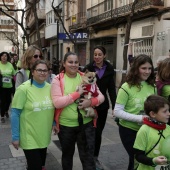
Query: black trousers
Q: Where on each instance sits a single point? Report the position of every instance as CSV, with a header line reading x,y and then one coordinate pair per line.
x,y
101,121
5,98
84,137
128,137
35,158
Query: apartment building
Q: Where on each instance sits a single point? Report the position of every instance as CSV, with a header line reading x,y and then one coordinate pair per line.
x,y
37,25
8,28
105,23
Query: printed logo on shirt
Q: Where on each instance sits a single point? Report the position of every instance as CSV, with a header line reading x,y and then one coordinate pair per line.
x,y
163,167
42,105
6,71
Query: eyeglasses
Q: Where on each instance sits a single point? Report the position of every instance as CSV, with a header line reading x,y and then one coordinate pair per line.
x,y
36,56
40,71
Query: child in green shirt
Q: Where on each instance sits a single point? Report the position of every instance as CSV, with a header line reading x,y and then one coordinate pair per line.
x,y
150,137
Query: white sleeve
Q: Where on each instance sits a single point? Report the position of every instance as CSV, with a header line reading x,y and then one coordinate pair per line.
x,y
120,113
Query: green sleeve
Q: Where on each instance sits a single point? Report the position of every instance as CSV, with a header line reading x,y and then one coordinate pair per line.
x,y
122,97
19,99
141,139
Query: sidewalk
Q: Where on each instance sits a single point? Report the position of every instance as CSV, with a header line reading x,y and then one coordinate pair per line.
x,y
112,154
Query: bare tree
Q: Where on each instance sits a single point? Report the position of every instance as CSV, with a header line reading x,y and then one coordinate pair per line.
x,y
21,22
12,39
32,4
58,15
129,20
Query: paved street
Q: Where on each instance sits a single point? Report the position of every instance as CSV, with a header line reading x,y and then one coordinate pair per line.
x,y
112,155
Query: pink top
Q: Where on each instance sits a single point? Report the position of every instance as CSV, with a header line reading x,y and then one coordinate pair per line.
x,y
60,101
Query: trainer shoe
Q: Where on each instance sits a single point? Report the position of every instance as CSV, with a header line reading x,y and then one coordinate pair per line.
x,y
7,115
2,120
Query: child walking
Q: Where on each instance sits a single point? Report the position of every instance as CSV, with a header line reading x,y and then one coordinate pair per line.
x,y
154,131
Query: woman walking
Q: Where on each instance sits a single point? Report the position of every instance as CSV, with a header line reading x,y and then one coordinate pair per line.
x,y
129,106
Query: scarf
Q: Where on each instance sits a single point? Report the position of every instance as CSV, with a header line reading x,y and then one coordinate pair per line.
x,y
154,123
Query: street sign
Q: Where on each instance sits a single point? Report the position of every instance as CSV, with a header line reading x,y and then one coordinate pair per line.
x,y
75,36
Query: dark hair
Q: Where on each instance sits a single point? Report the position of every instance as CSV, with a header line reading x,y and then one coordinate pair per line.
x,y
62,68
133,78
154,103
100,48
163,70
7,54
35,65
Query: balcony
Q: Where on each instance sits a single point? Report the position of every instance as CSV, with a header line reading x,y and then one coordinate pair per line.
x,y
99,13
78,21
31,19
51,31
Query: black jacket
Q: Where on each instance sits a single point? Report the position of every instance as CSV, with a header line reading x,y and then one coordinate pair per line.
x,y
106,83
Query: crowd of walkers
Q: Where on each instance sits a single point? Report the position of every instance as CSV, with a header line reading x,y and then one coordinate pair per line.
x,y
43,102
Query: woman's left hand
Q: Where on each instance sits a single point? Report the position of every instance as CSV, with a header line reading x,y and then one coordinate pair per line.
x,y
84,103
55,130
15,144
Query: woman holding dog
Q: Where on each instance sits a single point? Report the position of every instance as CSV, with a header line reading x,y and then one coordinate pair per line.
x,y
105,82
71,125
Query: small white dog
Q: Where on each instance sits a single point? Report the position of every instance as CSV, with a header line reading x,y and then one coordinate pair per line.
x,y
89,82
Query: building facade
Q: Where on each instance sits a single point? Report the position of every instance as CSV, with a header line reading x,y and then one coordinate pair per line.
x,y
105,22
8,28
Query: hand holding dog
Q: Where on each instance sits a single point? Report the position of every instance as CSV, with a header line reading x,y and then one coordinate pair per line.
x,y
80,89
84,103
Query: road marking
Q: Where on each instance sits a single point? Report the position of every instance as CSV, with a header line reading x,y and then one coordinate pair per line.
x,y
16,153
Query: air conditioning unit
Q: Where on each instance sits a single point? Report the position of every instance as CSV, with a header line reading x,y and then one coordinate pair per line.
x,y
121,30
142,31
166,3
147,31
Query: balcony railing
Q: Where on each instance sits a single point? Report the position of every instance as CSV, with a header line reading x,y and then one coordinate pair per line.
x,y
77,20
99,12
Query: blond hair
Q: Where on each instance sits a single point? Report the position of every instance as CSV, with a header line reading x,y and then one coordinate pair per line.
x,y
26,58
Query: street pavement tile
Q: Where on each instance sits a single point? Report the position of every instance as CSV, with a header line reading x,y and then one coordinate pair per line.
x,y
5,152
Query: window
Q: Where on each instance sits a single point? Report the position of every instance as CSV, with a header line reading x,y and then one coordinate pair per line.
x,y
144,46
68,8
50,18
108,5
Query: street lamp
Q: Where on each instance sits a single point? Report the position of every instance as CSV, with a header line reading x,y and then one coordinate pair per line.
x,y
28,30
27,35
23,42
59,11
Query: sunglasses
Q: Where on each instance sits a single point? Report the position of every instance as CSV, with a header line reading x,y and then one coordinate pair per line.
x,y
36,56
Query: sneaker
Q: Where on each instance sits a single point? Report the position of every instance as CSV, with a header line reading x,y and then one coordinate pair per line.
x,y
2,120
7,115
99,165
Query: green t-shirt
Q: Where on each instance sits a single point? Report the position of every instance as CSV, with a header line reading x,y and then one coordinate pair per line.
x,y
69,115
166,91
19,64
7,71
133,100
146,138
37,115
